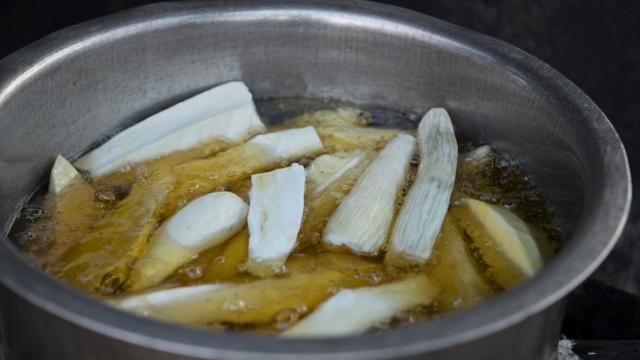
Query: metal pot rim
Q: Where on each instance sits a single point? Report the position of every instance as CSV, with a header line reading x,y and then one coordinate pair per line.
x,y
590,243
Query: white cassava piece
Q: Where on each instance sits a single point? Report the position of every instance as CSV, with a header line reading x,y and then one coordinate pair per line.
x,y
354,311
505,242
167,304
361,222
275,215
205,222
288,144
326,169
226,112
62,175
418,224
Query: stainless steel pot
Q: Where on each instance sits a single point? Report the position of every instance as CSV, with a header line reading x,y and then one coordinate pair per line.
x,y
74,87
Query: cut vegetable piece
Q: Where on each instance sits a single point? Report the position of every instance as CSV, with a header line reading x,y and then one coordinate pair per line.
x,y
326,169
225,112
420,217
361,222
206,222
476,175
231,126
344,129
71,200
453,267
256,302
352,312
127,176
342,138
275,214
154,301
262,153
506,243
101,262
62,175
476,160
292,143
337,117
320,205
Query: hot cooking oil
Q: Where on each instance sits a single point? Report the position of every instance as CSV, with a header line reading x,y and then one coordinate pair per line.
x,y
115,215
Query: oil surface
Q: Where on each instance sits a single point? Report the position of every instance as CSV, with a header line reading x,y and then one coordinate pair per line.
x,y
69,238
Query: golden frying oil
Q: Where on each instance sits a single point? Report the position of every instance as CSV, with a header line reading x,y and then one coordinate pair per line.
x,y
52,232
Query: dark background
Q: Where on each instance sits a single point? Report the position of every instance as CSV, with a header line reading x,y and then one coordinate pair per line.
x,y
595,43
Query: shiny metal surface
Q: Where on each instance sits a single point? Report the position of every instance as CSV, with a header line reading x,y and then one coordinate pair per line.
x,y
68,91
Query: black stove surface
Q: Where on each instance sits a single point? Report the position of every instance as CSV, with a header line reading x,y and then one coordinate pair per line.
x,y
594,43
